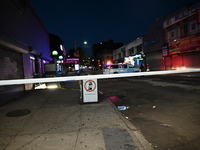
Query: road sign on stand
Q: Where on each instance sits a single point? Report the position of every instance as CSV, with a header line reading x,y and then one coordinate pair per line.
x,y
89,91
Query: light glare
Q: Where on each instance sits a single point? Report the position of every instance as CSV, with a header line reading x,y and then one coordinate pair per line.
x,y
52,86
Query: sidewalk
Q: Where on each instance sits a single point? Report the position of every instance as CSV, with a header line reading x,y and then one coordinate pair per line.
x,y
55,120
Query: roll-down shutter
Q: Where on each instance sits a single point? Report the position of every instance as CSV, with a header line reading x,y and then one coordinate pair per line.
x,y
11,67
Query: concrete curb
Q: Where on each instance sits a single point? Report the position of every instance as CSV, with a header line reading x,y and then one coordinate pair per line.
x,y
140,140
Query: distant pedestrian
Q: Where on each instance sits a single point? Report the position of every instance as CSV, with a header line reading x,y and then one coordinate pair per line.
x,y
142,67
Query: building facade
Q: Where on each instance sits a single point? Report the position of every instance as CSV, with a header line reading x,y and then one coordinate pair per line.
x,y
153,42
182,39
130,53
172,41
57,47
24,46
119,54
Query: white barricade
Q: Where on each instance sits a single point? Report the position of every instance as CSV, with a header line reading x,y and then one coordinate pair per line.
x,y
89,84
101,76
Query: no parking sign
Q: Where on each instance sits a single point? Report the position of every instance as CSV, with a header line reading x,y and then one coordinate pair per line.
x,y
90,91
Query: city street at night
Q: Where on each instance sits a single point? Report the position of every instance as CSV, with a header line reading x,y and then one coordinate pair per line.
x,y
106,75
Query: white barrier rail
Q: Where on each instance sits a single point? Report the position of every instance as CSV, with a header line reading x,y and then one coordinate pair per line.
x,y
101,76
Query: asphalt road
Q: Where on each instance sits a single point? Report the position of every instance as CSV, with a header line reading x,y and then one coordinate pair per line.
x,y
165,109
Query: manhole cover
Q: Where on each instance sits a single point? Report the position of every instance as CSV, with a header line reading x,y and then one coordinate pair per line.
x,y
18,113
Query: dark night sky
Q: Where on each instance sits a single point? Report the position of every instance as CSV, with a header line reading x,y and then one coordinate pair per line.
x,y
95,21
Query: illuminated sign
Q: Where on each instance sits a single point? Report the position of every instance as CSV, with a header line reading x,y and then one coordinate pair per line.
x,y
190,42
165,50
72,60
77,67
131,59
174,47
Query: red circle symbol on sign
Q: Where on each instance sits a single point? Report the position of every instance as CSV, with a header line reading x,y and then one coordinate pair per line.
x,y
90,86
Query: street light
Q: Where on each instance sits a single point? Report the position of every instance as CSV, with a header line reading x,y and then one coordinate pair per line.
x,y
55,53
60,57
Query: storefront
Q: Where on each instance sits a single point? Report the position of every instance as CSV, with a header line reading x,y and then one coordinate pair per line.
x,y
70,63
182,53
182,48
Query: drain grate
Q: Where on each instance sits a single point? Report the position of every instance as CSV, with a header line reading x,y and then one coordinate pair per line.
x,y
18,113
